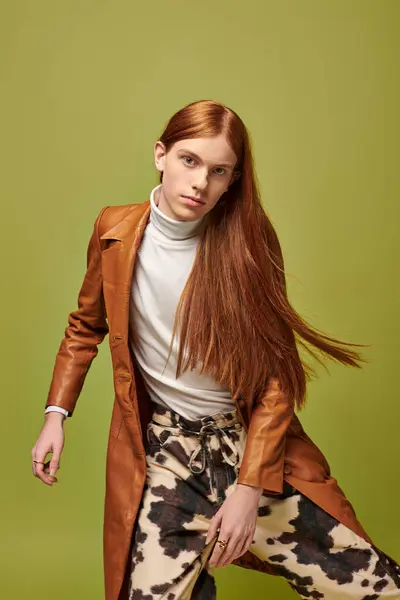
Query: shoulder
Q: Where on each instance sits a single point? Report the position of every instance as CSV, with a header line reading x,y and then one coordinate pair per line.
x,y
111,215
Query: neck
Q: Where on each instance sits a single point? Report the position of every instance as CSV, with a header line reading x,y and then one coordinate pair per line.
x,y
171,228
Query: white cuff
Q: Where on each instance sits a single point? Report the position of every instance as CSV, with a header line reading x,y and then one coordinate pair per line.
x,y
57,409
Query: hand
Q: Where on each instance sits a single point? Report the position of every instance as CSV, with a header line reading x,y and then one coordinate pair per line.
x,y
236,521
50,440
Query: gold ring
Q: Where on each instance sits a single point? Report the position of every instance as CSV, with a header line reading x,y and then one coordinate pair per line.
x,y
222,544
38,462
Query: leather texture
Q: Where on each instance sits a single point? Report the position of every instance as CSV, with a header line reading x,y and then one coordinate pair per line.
x,y
277,447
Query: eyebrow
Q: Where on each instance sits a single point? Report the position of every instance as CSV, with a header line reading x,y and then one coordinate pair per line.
x,y
225,164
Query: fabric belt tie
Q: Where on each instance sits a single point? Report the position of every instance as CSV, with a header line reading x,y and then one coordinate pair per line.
x,y
209,429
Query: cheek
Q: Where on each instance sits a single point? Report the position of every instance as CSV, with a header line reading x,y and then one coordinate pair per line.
x,y
175,176
211,205
217,189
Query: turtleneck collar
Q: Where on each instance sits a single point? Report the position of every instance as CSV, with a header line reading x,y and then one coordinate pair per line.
x,y
171,228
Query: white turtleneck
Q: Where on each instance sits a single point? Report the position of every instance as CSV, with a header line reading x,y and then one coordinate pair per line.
x,y
163,263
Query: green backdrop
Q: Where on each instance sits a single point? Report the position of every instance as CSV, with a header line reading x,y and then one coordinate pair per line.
x,y
87,87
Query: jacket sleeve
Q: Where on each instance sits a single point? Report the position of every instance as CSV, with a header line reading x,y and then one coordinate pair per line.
x,y
87,327
264,453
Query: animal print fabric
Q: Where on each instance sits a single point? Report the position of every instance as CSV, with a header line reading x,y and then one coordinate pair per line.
x,y
192,467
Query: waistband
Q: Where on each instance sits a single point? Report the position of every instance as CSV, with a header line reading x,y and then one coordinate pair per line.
x,y
169,418
219,424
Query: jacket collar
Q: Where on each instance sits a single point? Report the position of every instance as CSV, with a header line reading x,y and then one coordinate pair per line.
x,y
133,224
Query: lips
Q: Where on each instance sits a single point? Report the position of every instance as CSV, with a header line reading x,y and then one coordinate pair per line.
x,y
195,199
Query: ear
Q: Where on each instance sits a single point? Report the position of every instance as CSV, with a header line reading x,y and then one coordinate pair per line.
x,y
159,155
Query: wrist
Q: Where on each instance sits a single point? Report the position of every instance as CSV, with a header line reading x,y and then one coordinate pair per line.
x,y
54,416
251,490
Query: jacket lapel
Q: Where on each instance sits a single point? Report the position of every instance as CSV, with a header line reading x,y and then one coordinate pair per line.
x,y
118,262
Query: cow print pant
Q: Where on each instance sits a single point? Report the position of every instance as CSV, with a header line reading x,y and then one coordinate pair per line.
x,y
192,467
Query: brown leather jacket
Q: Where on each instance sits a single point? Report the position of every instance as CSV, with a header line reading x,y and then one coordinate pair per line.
x,y
277,447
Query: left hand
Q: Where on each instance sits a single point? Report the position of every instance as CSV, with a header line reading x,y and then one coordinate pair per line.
x,y
236,520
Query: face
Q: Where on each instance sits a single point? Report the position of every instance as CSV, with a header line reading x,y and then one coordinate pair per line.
x,y
198,167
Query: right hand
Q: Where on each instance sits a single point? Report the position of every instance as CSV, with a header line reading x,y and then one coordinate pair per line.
x,y
50,441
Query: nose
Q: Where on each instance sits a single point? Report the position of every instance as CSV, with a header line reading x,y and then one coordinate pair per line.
x,y
201,180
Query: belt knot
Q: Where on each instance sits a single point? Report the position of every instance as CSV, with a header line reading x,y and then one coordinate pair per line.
x,y
222,436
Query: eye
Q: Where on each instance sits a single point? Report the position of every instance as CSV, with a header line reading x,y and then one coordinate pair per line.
x,y
189,157
185,158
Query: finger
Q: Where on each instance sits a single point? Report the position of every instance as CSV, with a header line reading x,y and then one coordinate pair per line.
x,y
55,461
39,469
216,557
33,454
212,532
227,555
243,544
242,548
214,526
47,471
35,467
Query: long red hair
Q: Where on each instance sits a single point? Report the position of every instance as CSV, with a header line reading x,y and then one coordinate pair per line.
x,y
235,320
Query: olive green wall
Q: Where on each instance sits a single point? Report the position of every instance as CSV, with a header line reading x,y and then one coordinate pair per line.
x,y
87,86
